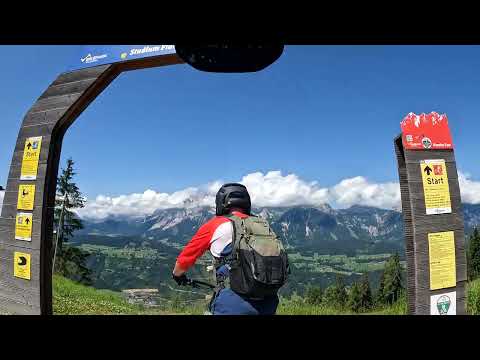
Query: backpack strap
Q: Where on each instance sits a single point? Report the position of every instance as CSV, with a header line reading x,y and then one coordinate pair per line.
x,y
238,229
238,232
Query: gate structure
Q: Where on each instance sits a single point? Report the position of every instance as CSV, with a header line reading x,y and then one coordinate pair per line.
x,y
26,221
436,265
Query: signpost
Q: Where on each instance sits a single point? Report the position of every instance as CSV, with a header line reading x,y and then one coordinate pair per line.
x,y
433,217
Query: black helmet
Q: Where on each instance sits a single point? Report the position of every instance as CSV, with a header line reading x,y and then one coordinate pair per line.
x,y
230,196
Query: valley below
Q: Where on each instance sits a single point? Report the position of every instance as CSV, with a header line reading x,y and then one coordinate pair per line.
x,y
322,242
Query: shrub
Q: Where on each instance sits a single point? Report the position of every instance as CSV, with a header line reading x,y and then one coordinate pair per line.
x,y
313,295
473,298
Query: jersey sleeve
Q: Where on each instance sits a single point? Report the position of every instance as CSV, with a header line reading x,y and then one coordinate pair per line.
x,y
199,243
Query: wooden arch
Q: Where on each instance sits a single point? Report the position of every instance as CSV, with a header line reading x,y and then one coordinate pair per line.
x,y
50,117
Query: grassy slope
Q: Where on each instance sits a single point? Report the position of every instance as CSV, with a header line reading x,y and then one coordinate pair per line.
x,y
298,307
71,298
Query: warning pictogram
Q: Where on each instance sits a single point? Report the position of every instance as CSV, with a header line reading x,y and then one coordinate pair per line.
x,y
26,197
21,265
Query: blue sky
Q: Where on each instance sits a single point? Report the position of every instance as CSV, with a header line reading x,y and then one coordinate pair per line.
x,y
324,113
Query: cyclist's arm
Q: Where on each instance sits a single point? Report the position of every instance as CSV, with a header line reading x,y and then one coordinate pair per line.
x,y
195,248
178,271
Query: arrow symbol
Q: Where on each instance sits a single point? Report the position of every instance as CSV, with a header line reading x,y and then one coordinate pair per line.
x,y
428,170
29,146
22,260
27,220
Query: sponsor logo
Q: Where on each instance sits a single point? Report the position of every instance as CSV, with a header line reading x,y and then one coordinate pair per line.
x,y
91,59
409,138
443,304
427,143
153,49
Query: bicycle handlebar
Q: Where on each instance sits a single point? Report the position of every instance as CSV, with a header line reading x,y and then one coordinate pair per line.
x,y
196,283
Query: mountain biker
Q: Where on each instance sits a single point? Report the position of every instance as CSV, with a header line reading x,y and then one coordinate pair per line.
x,y
233,208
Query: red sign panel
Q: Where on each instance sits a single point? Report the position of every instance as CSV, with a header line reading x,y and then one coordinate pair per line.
x,y
426,131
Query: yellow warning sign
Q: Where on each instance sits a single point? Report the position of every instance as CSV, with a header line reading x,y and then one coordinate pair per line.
x,y
435,187
26,197
441,248
23,227
31,156
21,265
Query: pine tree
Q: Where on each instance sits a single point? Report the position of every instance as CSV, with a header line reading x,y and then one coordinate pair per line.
x,y
336,295
329,296
313,295
339,293
68,198
473,255
360,295
380,298
393,286
366,301
355,298
69,261
72,264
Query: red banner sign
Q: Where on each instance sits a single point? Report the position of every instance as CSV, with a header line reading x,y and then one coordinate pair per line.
x,y
426,131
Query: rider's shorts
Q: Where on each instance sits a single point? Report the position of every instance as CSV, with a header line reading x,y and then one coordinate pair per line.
x,y
227,302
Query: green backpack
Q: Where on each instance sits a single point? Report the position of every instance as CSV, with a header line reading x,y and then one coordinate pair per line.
x,y
258,262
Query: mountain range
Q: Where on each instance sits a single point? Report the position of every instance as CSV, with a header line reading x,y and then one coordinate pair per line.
x,y
358,229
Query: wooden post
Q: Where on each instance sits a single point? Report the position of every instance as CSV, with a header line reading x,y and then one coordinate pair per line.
x,y
418,224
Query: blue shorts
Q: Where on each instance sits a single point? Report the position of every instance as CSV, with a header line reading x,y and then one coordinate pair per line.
x,y
227,302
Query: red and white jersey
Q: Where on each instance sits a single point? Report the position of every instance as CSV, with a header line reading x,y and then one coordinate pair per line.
x,y
214,235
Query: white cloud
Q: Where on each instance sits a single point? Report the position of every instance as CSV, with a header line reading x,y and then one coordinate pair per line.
x,y
274,189
144,204
269,189
469,189
358,191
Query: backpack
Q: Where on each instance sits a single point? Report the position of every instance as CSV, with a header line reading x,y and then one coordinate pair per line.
x,y
258,262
